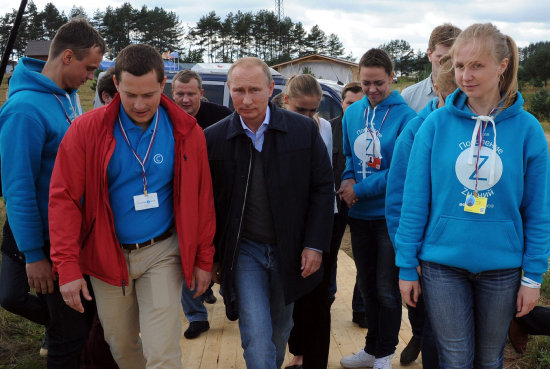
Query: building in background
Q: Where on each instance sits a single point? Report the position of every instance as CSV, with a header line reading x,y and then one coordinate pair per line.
x,y
321,66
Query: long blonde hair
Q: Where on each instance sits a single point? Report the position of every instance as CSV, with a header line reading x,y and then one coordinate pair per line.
x,y
500,46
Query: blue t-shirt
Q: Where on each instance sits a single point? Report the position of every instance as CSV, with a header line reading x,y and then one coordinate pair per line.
x,y
126,178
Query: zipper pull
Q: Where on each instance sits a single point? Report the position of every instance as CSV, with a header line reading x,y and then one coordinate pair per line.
x,y
123,287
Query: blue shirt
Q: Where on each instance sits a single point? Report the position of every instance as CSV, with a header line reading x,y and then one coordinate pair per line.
x,y
258,137
126,180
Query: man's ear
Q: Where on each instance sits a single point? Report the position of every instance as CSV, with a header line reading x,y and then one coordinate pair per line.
x,y
67,56
115,82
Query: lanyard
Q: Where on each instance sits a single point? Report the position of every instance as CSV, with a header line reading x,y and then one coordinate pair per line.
x,y
373,133
480,135
480,139
136,155
63,107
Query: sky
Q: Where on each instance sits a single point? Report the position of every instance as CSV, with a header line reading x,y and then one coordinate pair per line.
x,y
363,24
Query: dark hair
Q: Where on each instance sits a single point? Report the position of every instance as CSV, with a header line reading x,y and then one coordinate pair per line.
x,y
184,76
377,58
77,35
106,84
139,59
444,34
354,87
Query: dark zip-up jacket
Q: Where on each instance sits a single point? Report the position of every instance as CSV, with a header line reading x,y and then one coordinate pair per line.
x,y
300,190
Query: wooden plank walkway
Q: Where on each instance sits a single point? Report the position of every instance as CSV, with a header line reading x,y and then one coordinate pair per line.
x,y
220,347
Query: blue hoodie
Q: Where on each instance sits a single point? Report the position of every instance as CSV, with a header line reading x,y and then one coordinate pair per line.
x,y
398,168
514,176
370,189
32,123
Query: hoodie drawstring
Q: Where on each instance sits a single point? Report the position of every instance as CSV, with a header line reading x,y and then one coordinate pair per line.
x,y
477,131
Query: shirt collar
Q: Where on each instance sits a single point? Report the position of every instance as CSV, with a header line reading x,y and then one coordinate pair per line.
x,y
264,124
429,86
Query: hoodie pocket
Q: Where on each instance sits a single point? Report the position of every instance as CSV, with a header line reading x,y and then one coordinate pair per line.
x,y
488,234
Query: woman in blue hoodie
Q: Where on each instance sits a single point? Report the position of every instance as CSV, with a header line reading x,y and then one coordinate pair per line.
x,y
370,128
476,212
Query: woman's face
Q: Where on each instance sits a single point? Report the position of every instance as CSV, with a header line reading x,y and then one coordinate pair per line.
x,y
375,83
304,104
477,72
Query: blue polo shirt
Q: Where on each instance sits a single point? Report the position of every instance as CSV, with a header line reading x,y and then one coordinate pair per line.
x,y
125,178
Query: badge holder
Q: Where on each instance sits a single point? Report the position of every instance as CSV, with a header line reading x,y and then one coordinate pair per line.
x,y
475,204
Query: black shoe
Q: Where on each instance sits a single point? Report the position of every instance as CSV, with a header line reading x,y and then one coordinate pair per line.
x,y
210,298
196,328
360,319
410,353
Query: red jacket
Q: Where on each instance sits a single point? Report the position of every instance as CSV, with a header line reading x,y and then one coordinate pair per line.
x,y
82,233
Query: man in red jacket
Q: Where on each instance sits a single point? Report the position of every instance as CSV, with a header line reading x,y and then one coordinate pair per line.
x,y
131,205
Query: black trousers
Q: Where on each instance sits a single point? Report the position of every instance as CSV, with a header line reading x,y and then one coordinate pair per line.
x,y
537,322
310,335
67,329
15,294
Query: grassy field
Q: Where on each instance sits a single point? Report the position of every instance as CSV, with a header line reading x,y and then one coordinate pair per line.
x,y
20,340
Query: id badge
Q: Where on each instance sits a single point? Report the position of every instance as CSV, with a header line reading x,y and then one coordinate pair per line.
x,y
374,162
142,202
475,204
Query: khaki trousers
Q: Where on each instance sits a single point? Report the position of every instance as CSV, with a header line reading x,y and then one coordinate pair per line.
x,y
151,305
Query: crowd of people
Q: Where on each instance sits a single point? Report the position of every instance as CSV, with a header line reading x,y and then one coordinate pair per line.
x,y
119,216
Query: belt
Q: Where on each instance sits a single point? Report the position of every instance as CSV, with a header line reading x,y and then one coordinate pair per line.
x,y
151,242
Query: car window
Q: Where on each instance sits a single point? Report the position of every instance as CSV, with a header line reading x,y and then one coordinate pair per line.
x,y
329,108
213,92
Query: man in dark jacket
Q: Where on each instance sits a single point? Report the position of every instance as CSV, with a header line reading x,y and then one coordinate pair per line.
x,y
274,199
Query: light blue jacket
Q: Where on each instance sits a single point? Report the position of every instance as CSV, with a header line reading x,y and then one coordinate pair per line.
x,y
514,176
33,121
388,118
398,168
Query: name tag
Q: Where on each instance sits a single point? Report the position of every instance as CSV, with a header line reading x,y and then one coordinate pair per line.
x,y
142,202
479,204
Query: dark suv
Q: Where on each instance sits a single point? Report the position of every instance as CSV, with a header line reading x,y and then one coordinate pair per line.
x,y
214,83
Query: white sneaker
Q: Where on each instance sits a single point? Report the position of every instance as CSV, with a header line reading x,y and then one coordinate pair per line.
x,y
358,360
383,362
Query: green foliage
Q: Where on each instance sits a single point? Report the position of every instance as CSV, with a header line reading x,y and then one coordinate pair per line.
x,y
540,105
307,70
212,39
535,60
542,352
545,288
401,54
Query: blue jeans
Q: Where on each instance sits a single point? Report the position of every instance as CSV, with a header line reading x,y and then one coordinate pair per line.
x,y
264,319
377,278
193,309
470,313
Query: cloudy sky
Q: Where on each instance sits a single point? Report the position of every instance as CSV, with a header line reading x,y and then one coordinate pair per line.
x,y
362,24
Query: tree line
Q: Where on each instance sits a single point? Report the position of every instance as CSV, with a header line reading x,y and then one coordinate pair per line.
x,y
212,39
